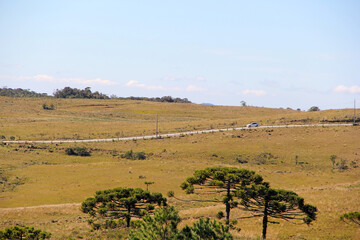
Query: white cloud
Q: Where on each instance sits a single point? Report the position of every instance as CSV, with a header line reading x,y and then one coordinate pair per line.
x,y
133,83
169,78
343,89
193,88
254,92
81,81
43,77
200,79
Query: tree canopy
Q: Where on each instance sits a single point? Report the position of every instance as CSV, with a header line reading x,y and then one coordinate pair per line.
x,y
351,218
122,203
23,232
163,226
266,202
314,109
226,181
19,92
69,92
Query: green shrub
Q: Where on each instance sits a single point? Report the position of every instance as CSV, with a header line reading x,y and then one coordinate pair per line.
x,y
48,107
23,232
77,151
133,156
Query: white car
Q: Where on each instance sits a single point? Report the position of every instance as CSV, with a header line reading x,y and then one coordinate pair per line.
x,y
253,124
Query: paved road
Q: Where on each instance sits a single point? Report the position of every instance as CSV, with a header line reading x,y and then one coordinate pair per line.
x,y
173,134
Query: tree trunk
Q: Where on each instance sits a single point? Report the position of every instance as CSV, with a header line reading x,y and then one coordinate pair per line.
x,y
265,218
128,218
228,204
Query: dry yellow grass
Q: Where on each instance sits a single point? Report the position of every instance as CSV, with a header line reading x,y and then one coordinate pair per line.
x,y
55,178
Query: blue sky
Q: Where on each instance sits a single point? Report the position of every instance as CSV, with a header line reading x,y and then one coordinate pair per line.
x,y
267,53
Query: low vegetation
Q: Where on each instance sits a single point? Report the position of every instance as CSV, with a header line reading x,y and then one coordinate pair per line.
x,y
48,107
133,155
78,151
19,92
23,232
164,226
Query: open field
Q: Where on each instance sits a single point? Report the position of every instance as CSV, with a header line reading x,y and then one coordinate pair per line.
x,y
44,175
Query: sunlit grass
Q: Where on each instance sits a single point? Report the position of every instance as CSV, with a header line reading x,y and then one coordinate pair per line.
x,y
52,177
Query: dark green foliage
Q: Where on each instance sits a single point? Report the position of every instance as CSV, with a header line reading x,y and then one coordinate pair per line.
x,y
140,156
23,232
163,226
134,156
121,203
223,181
170,194
314,109
266,202
205,229
69,92
48,107
351,218
9,92
158,99
78,151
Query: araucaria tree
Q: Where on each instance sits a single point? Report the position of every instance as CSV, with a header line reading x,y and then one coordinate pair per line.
x,y
122,203
223,181
268,203
163,225
351,218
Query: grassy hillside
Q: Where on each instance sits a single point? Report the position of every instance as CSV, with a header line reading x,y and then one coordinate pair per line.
x,y
24,118
44,175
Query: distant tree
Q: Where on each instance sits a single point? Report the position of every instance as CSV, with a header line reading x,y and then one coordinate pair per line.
x,y
243,103
158,99
221,181
314,109
121,203
23,232
147,185
267,203
9,92
351,218
69,92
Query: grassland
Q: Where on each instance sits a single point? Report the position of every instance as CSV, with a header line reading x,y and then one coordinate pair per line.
x,y
55,183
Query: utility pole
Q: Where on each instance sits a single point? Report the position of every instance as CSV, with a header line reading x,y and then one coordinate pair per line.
x,y
157,124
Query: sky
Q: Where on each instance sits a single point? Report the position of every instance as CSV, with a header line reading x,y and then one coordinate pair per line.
x,y
274,54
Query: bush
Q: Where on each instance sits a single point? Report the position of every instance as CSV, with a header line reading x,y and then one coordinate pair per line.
x,y
69,92
23,232
133,156
77,151
48,107
314,109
